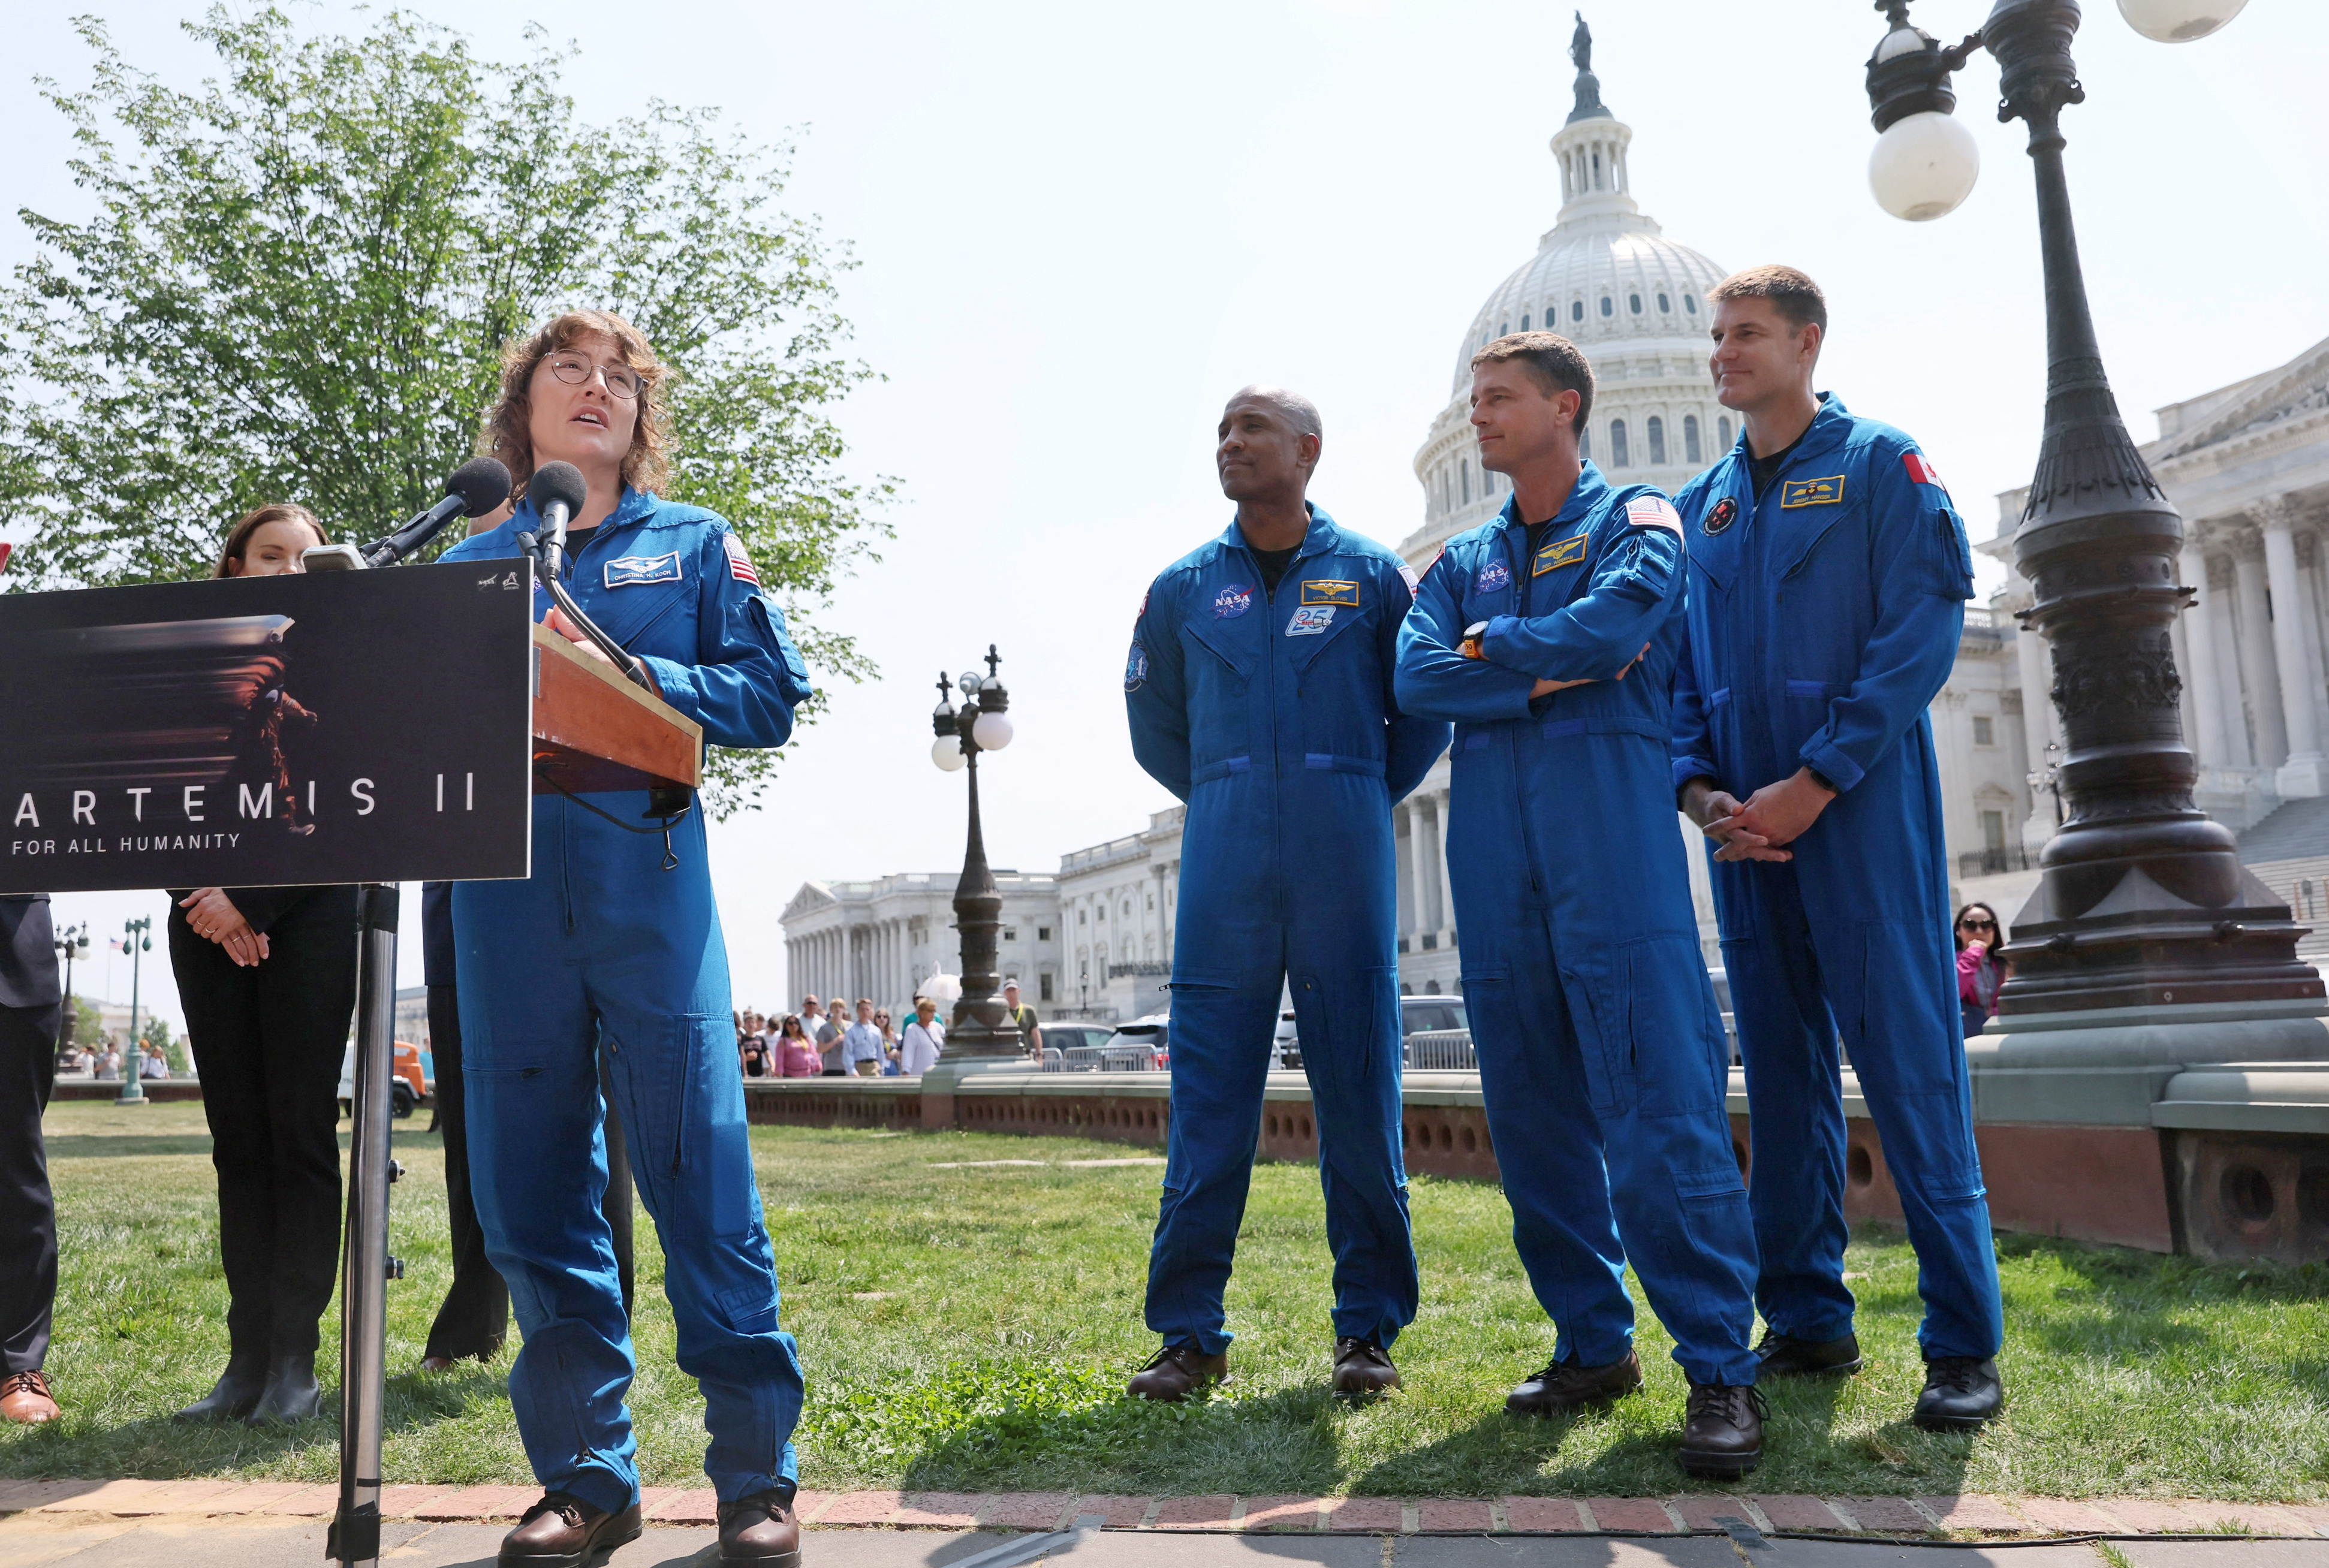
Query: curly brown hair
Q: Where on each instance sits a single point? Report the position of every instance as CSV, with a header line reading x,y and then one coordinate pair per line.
x,y
238,538
508,432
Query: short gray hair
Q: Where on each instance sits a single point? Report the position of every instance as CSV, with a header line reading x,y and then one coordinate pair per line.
x,y
1300,411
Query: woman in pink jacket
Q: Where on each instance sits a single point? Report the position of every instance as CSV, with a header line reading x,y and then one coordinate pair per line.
x,y
1978,973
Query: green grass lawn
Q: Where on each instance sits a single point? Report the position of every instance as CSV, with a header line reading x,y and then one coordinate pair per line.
x,y
970,1329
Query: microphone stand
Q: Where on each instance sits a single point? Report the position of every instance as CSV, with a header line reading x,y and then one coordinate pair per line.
x,y
546,570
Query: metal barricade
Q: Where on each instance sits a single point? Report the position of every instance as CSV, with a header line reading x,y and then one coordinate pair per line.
x,y
1103,1059
1440,1051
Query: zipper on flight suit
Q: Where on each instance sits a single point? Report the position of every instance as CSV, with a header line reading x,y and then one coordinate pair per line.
x,y
1520,796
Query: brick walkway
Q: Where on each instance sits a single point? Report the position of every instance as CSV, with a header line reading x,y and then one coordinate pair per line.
x,y
1965,1517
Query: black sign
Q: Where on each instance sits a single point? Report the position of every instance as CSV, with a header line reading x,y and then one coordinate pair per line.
x,y
335,726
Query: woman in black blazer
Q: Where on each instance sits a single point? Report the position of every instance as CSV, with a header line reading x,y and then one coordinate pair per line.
x,y
268,979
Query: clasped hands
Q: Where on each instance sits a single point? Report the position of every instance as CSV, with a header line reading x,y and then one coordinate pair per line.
x,y
212,914
1775,816
1470,649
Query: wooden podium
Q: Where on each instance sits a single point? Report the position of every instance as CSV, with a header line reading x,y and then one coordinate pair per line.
x,y
594,730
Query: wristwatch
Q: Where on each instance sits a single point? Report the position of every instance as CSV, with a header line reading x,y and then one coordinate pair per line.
x,y
1470,646
1822,780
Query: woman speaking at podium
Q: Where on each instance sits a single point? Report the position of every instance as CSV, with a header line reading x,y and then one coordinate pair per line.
x,y
602,942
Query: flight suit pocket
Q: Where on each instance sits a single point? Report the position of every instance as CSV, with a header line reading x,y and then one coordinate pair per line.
x,y
1673,1033
628,614
1218,688
1493,1015
684,1119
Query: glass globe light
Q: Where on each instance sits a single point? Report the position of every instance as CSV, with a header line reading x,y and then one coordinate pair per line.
x,y
947,752
2178,20
1923,166
992,732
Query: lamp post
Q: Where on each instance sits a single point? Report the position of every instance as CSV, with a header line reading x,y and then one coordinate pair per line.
x,y
137,937
70,942
982,1026
2143,901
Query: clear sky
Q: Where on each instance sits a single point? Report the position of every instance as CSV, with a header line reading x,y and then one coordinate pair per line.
x,y
1082,226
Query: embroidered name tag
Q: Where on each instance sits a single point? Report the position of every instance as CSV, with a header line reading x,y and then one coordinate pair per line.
x,y
1811,492
1560,552
1327,591
631,571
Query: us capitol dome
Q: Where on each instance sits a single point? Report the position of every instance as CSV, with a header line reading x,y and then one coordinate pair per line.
x,y
1607,279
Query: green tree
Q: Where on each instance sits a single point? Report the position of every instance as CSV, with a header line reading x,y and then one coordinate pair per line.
x,y
296,284
86,1027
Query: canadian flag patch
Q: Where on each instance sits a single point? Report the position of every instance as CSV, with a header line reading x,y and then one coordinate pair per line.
x,y
740,565
1653,512
1922,471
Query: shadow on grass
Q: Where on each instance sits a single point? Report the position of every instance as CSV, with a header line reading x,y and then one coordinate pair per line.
x,y
100,1146
155,1448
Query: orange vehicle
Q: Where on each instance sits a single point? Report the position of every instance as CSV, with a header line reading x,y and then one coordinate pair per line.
x,y
409,1084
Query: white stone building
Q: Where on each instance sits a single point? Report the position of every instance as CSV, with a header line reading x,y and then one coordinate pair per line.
x,y
881,939
1117,906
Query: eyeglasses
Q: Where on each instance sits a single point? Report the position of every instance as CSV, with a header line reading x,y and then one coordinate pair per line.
x,y
575,370
1970,923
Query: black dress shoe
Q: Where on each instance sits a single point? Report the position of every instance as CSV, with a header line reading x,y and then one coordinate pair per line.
x,y
1362,1368
1175,1370
1785,1356
760,1531
562,1531
235,1395
1722,1431
1565,1387
290,1393
1961,1395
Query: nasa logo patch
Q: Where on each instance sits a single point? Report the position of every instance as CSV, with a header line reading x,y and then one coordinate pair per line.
x,y
1233,601
1494,578
1716,521
1135,668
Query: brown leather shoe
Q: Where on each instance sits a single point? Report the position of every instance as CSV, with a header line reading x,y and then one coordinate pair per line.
x,y
1565,1387
1176,1369
25,1396
760,1531
562,1531
1722,1431
1363,1369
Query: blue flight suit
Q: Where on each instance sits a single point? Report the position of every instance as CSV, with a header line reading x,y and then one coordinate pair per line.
x,y
1823,617
1272,716
600,942
1601,1050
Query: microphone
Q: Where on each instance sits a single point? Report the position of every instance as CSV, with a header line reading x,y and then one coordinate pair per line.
x,y
472,490
558,491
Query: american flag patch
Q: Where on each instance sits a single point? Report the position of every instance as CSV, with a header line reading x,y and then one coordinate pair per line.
x,y
1922,471
1653,512
1407,575
740,565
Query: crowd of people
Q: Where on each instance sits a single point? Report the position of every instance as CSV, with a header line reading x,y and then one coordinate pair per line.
x,y
809,1044
103,1062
